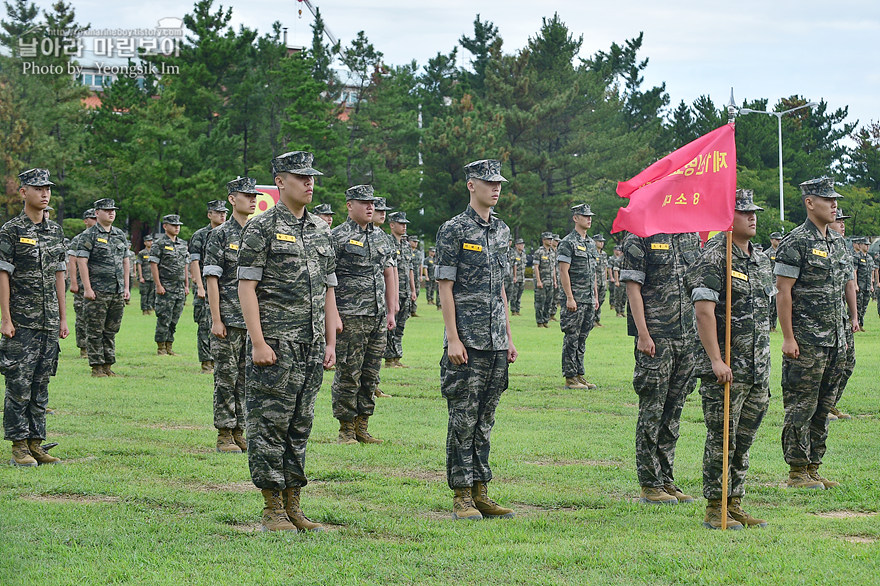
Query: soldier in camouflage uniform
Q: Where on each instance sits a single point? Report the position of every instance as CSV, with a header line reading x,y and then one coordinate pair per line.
x,y
430,280
325,212
228,330
812,265
145,278
405,286
104,265
286,272
169,258
557,296
366,291
775,239
577,271
545,279
76,287
32,317
601,271
518,268
201,311
471,260
848,364
661,319
508,276
618,291
864,278
418,261
752,292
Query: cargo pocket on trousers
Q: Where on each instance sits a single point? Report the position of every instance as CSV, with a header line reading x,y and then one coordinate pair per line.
x,y
271,379
10,355
453,378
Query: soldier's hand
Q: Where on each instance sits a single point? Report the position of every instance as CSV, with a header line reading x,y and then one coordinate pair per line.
x,y
791,349
595,305
7,329
89,294
63,330
391,323
264,355
141,280
219,330
413,297
722,372
74,288
329,357
126,295
457,353
539,285
646,346
855,325
201,293
571,305
511,353
160,290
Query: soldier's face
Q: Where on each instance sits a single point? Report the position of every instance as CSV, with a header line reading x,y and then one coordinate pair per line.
x,y
486,193
216,218
89,222
775,243
327,218
583,222
379,217
360,211
824,209
171,229
36,197
413,244
744,224
243,203
398,229
547,242
520,247
105,217
600,245
839,226
298,187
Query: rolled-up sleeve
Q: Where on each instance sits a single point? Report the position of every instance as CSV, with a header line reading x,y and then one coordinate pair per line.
x,y
784,270
632,275
704,294
212,271
445,273
250,273
564,258
330,280
83,253
7,267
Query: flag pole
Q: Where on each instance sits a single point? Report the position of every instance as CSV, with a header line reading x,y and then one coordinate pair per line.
x,y
725,452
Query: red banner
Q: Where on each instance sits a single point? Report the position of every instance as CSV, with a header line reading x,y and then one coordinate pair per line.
x,y
692,189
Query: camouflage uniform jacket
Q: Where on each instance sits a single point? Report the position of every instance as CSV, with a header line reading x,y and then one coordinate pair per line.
x,y
614,264
105,251
221,260
864,270
429,264
404,264
752,289
32,254
580,253
473,253
71,251
816,262
658,263
544,259
771,254
519,260
601,265
197,244
292,260
172,256
362,255
143,259
418,257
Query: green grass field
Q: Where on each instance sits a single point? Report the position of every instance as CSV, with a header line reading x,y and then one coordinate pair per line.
x,y
143,498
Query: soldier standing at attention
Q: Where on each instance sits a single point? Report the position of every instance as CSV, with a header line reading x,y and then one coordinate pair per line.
x,y
430,281
380,209
775,239
33,316
557,285
577,271
661,320
545,279
478,346
618,291
406,289
168,261
201,312
601,271
418,259
286,272
848,364
145,278
864,278
519,276
103,262
508,275
366,297
813,273
325,212
76,287
228,329
752,292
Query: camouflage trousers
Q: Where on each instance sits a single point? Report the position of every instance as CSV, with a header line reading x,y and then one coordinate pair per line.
x,y
863,297
472,392
169,307
576,325
773,313
229,385
430,290
515,297
148,295
543,303
601,290
202,316
618,298
748,404
508,287
359,351
662,384
848,364
809,391
280,410
103,320
27,360
554,302
394,346
414,305
80,322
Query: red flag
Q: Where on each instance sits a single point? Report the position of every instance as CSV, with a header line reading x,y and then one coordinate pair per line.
x,y
692,189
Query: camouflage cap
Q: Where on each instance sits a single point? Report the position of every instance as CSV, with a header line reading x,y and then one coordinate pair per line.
x,y
599,238
841,216
296,162
413,237
545,235
35,177
360,192
486,169
520,241
90,214
382,205
216,205
745,201
821,187
148,237
172,219
323,209
776,235
244,185
617,248
105,203
581,209
432,249
557,238
398,217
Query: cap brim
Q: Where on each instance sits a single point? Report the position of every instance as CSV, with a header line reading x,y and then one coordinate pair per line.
x,y
842,218
360,198
306,171
247,192
750,208
40,184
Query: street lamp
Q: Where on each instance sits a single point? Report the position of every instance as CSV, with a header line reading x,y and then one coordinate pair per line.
x,y
779,116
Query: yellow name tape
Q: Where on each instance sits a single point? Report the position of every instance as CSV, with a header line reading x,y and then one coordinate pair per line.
x,y
169,248
582,248
27,241
358,243
821,253
659,246
469,246
104,240
233,246
545,258
739,275
286,237
518,258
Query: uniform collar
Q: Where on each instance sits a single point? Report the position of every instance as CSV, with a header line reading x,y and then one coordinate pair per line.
x,y
811,227
473,215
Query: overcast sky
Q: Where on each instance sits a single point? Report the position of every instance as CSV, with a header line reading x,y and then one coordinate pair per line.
x,y
770,49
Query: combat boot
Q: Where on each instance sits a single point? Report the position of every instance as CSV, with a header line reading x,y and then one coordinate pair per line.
x,y
21,455
656,496
346,433
225,443
360,430
83,353
838,414
813,471
168,349
108,371
713,517
679,496
831,416
161,351
379,394
735,510
463,506
98,371
573,383
294,512
146,312
799,477
584,381
487,507
274,516
207,368
238,438
39,454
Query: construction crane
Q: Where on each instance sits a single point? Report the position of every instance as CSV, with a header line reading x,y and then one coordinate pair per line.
x,y
330,36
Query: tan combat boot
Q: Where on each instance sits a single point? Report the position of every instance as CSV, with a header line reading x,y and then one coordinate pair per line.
x,y
207,368
294,512
83,353
274,516
360,431
584,381
346,433
463,505
838,414
735,510
39,454
379,394
225,443
238,438
98,371
813,471
487,507
146,312
108,371
168,349
713,517
799,477
161,351
656,496
681,497
21,455
573,383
